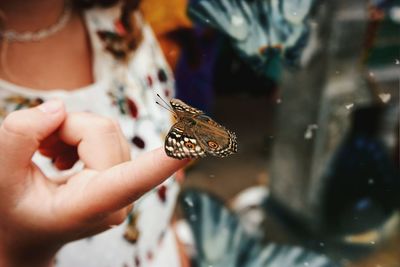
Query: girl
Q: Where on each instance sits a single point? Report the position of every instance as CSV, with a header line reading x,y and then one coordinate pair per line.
x,y
96,58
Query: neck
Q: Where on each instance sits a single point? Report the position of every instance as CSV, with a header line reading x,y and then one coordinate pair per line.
x,y
31,15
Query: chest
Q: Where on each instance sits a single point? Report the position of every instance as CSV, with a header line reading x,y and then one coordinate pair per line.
x,y
60,61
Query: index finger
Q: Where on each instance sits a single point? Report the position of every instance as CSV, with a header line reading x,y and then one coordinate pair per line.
x,y
122,184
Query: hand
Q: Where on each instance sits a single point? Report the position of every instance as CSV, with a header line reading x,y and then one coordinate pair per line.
x,y
38,216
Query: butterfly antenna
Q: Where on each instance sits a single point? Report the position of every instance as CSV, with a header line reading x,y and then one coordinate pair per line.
x,y
162,99
167,106
173,113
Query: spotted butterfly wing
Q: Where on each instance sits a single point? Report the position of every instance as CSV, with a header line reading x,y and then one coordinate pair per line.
x,y
180,143
215,139
197,135
182,109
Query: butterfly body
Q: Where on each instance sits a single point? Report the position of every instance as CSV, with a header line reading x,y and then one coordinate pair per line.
x,y
197,135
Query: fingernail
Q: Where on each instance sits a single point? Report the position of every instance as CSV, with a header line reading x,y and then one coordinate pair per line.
x,y
51,106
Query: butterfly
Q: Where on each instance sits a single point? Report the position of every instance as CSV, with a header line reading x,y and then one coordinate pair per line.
x,y
197,135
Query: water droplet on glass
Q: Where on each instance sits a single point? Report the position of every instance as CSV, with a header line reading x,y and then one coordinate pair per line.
x,y
385,97
309,131
371,181
278,101
189,202
349,106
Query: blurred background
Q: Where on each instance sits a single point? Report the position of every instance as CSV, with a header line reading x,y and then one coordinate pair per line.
x,y
311,89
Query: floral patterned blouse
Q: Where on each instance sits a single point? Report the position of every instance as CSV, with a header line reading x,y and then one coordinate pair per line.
x,y
124,90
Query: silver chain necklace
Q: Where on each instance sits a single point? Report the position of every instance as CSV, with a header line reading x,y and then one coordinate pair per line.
x,y
15,36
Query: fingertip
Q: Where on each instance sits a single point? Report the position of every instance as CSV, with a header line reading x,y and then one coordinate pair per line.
x,y
22,131
54,114
165,157
52,106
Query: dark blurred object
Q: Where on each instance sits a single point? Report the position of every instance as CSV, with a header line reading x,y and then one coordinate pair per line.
x,y
362,188
234,76
93,3
195,69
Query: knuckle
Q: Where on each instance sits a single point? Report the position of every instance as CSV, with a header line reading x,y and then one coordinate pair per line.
x,y
118,217
129,209
13,124
116,124
106,125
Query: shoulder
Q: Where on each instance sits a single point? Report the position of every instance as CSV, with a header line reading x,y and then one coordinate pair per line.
x,y
103,18
121,30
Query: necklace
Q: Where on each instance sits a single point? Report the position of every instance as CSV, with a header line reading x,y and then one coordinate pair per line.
x,y
27,36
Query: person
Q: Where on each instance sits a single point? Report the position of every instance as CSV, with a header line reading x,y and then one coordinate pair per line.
x,y
78,82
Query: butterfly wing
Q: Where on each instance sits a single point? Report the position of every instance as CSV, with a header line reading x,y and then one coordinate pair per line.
x,y
214,139
182,108
180,143
195,134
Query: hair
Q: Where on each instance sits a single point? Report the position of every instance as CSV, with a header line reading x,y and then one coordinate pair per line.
x,y
80,4
84,4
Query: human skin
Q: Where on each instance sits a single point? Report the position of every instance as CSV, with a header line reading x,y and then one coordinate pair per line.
x,y
63,60
38,216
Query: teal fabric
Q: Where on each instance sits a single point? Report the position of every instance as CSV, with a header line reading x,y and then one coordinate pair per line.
x,y
264,32
221,240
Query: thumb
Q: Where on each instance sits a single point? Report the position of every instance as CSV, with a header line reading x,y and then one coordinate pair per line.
x,y
22,131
